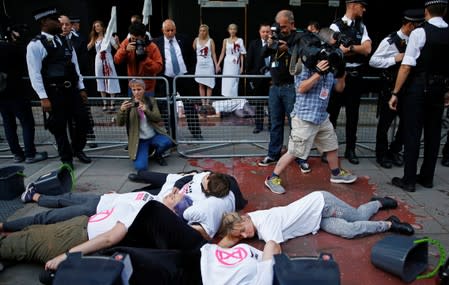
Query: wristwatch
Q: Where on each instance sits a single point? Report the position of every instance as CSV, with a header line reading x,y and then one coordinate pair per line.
x,y
394,93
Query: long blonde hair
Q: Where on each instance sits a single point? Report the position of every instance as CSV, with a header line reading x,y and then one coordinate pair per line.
x,y
93,35
206,27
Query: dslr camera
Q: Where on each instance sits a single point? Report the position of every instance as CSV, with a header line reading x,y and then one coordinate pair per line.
x,y
275,35
342,39
140,48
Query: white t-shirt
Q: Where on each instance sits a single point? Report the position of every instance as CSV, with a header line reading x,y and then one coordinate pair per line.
x,y
114,208
207,211
241,264
296,219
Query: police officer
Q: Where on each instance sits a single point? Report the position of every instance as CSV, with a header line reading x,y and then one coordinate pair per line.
x,y
422,77
55,77
356,47
387,58
13,101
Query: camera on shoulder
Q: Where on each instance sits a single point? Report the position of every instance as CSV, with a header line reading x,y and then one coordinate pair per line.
x,y
312,48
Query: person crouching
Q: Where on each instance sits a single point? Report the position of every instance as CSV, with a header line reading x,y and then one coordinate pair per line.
x,y
142,117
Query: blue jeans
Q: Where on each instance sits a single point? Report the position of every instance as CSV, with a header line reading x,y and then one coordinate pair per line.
x,y
160,142
280,103
343,220
10,109
66,206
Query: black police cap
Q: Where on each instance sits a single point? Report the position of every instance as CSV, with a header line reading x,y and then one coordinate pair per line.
x,y
45,13
413,15
434,2
363,2
75,19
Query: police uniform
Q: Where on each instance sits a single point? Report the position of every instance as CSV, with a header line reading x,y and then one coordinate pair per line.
x,y
54,75
350,97
423,98
384,60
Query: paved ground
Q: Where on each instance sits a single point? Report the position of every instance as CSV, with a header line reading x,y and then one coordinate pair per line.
x,y
426,209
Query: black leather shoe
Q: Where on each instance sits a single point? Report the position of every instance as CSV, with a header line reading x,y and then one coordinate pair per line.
x,y
424,182
396,159
161,161
257,130
352,157
136,178
387,202
83,157
39,156
400,227
384,162
197,136
445,161
399,182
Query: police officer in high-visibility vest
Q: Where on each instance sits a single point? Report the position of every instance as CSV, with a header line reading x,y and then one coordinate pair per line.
x,y
55,77
387,59
423,78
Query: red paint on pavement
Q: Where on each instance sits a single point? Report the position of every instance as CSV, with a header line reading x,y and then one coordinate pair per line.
x,y
352,256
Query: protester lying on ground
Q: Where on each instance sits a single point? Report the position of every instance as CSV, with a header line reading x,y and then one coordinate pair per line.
x,y
319,209
156,181
241,264
135,220
206,196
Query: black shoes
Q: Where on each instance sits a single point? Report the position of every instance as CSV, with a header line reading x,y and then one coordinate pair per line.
x,y
83,157
400,227
136,178
396,158
351,156
257,130
423,182
18,158
387,202
197,136
399,182
385,162
39,156
161,160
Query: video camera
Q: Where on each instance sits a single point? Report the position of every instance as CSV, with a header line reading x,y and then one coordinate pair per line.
x,y
312,48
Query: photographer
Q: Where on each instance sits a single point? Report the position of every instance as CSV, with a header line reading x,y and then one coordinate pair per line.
x,y
141,56
282,91
311,124
356,46
142,117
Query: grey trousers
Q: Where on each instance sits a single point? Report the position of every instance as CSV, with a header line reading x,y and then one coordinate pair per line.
x,y
66,206
341,219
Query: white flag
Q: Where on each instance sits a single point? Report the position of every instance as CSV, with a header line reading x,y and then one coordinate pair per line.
x,y
147,11
112,28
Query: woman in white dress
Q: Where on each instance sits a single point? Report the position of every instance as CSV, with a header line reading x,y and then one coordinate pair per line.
x,y
206,63
104,63
232,52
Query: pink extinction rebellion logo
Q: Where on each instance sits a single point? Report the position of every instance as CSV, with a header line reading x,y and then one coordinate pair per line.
x,y
231,256
101,216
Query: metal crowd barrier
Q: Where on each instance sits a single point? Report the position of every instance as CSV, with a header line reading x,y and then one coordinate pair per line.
x,y
228,134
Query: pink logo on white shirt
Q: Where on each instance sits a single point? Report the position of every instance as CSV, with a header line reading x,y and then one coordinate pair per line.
x,y
101,216
231,256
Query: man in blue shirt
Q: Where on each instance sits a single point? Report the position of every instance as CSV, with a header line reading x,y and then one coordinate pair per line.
x,y
311,124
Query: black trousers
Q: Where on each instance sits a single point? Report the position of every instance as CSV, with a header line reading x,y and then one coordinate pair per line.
x,y
156,226
67,109
386,117
185,87
350,99
259,87
423,107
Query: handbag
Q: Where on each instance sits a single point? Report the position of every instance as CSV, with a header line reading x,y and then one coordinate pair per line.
x,y
93,270
306,270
